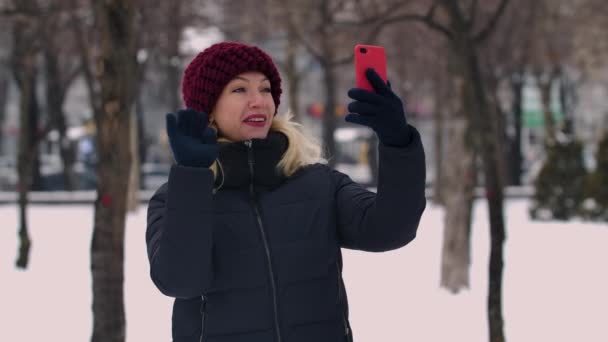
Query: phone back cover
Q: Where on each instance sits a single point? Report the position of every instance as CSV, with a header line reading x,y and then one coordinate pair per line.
x,y
375,58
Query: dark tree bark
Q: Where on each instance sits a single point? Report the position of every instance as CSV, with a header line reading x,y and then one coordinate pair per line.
x,y
116,67
464,42
545,83
23,64
291,72
4,82
515,152
439,138
458,181
175,28
329,112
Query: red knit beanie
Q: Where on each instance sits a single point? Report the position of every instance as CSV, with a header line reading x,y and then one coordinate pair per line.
x,y
210,71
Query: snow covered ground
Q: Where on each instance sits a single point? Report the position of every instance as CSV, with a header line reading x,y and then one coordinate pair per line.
x,y
555,286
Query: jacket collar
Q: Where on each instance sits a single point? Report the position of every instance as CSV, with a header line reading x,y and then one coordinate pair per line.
x,y
265,154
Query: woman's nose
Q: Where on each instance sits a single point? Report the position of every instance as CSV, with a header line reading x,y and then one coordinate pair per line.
x,y
257,99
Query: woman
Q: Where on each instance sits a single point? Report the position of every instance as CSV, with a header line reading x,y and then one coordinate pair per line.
x,y
246,233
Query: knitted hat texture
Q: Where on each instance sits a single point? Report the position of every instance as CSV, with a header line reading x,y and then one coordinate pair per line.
x,y
209,72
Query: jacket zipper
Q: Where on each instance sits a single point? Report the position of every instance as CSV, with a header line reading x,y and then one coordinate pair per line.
x,y
202,319
346,330
248,143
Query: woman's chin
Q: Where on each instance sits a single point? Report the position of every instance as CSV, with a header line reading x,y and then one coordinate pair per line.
x,y
256,134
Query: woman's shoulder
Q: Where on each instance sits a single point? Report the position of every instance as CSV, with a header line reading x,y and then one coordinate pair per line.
x,y
316,168
320,173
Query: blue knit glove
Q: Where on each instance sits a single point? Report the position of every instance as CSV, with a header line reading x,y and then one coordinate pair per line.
x,y
381,110
192,141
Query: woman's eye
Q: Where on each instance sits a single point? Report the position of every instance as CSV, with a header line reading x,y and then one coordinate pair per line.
x,y
239,90
266,90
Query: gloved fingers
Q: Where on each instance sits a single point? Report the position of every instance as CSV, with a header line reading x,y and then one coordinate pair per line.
x,y
208,150
171,124
363,108
191,122
368,121
366,96
202,120
209,136
199,123
184,119
376,81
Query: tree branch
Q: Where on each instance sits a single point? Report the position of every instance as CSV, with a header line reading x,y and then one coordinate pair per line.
x,y
485,33
473,9
32,12
370,20
85,58
426,19
311,50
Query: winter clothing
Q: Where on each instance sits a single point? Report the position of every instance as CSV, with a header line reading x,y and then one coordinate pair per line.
x,y
381,110
260,259
210,71
267,154
192,141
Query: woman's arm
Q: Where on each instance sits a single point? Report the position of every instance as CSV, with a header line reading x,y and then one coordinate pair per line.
x,y
388,219
179,233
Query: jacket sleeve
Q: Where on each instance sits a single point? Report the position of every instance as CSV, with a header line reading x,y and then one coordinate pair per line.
x,y
387,219
179,233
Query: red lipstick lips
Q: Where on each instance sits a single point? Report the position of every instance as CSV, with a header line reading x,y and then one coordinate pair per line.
x,y
256,120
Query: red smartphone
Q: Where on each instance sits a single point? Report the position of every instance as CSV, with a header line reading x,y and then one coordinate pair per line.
x,y
369,56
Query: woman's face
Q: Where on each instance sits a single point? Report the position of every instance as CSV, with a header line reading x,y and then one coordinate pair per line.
x,y
245,107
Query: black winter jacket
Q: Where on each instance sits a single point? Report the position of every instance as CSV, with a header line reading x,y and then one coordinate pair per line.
x,y
260,260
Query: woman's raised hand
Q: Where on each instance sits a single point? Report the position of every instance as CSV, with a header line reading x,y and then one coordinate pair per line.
x,y
192,141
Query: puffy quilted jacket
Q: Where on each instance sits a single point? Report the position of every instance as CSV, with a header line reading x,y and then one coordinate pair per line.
x,y
250,264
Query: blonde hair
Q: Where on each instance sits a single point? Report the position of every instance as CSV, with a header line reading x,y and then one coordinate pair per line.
x,y
302,150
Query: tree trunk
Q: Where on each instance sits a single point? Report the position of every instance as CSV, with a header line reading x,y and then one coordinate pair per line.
x,y
567,99
482,124
458,182
439,131
498,120
116,67
330,83
4,82
291,71
329,114
516,157
457,194
483,139
141,137
134,179
544,85
26,151
23,65
175,29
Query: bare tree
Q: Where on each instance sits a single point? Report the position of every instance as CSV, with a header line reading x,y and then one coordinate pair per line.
x,y
111,93
506,59
4,83
471,111
24,66
464,40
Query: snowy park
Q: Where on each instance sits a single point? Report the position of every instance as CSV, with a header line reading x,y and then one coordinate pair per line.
x,y
555,281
